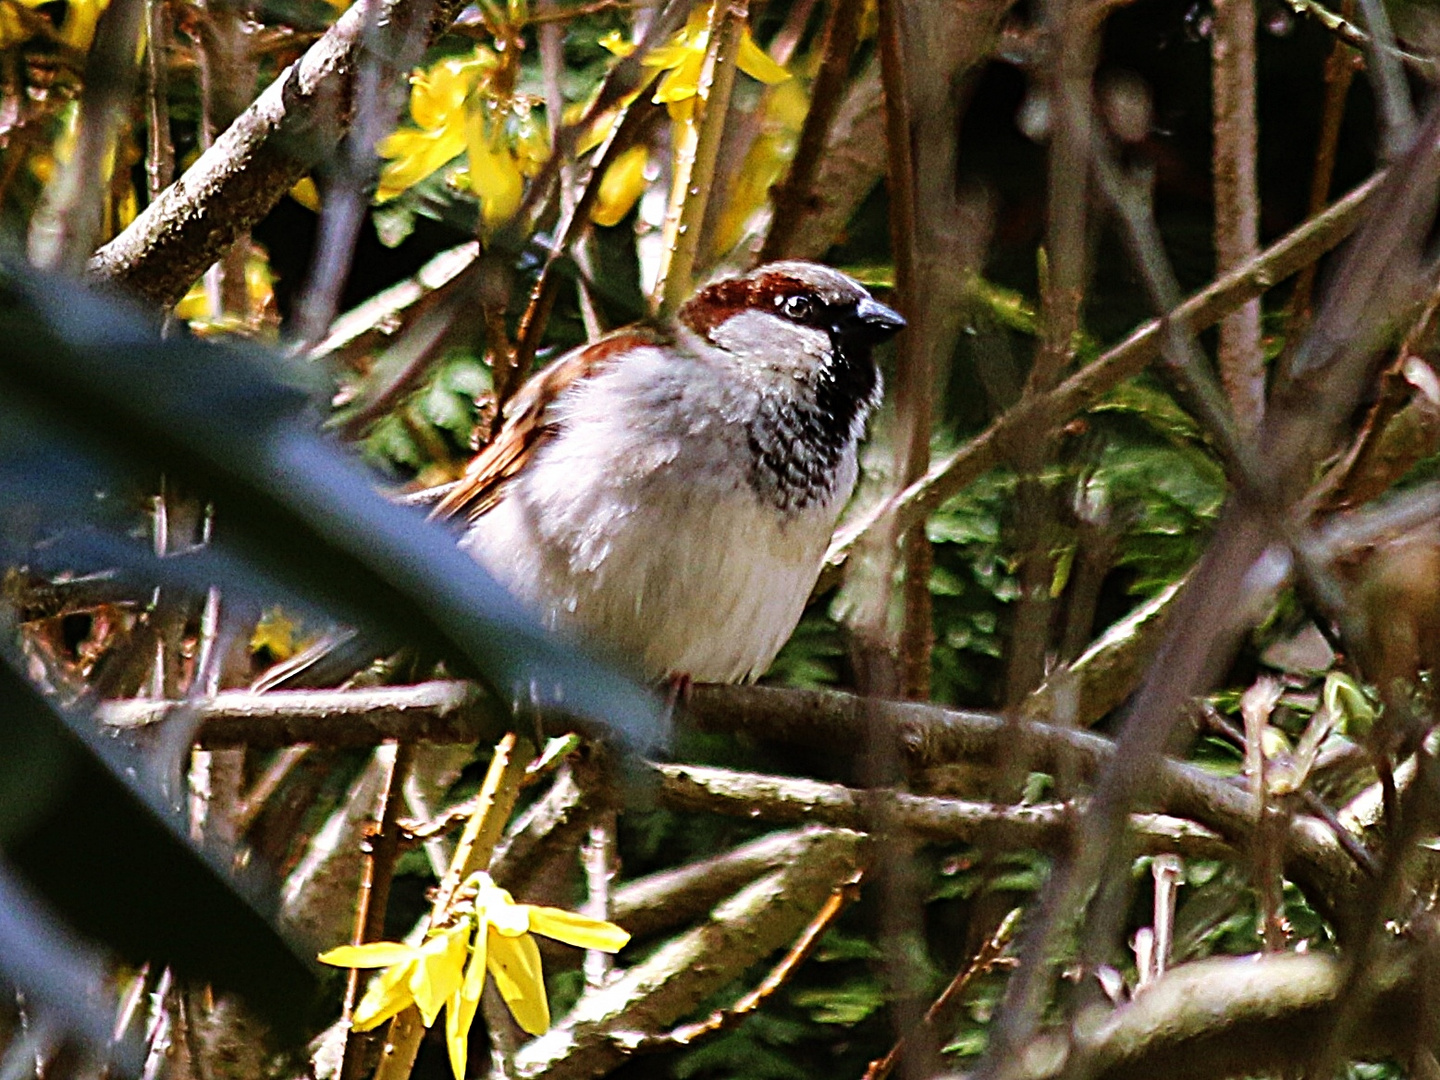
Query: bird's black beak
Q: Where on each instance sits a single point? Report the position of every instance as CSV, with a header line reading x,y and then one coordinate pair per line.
x,y
870,322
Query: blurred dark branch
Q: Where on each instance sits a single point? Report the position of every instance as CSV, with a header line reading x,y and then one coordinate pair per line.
x,y
1107,672
953,473
1237,200
851,164
639,118
352,173
1392,93
888,658
69,220
159,149
1070,46
796,191
381,851
1340,68
1401,428
1413,819
1379,280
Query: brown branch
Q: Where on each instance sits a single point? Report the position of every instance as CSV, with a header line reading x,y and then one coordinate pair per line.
x,y
1340,68
159,148
671,898
639,117
439,712
699,155
600,1032
1246,1016
786,799
290,128
381,852
953,473
796,191
1237,200
928,735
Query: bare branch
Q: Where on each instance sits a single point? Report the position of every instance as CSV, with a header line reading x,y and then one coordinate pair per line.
x,y
953,473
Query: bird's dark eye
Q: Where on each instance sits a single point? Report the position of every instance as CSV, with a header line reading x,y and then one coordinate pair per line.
x,y
798,308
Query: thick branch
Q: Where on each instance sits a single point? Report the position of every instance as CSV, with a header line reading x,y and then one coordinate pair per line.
x,y
1044,826
289,129
436,712
607,1025
928,735
1244,1016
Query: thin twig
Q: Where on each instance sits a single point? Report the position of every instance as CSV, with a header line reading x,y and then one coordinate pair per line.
x,y
1237,200
698,156
382,849
950,475
628,131
477,844
1340,68
69,221
159,149
943,1008
796,190
804,946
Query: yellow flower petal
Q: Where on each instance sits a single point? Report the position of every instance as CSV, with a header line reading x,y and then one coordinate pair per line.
x,y
494,174
621,187
460,1011
681,81
579,930
755,62
388,995
437,95
515,964
415,155
439,971
80,19
377,954
306,194
617,43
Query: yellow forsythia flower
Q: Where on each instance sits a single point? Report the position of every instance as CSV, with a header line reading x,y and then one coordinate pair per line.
x,y
504,146
276,631
682,58
621,186
494,932
437,105
78,30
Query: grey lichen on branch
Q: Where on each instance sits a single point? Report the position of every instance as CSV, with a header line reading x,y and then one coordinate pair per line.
x,y
286,132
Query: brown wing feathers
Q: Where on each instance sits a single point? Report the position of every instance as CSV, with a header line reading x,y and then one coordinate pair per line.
x,y
527,426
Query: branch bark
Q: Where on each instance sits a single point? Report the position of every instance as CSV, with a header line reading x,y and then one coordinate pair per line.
x,y
289,129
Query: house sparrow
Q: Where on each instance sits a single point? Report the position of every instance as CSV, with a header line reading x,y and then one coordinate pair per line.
x,y
669,492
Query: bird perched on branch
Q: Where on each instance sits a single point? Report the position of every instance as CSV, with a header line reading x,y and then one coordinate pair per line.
x,y
669,492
